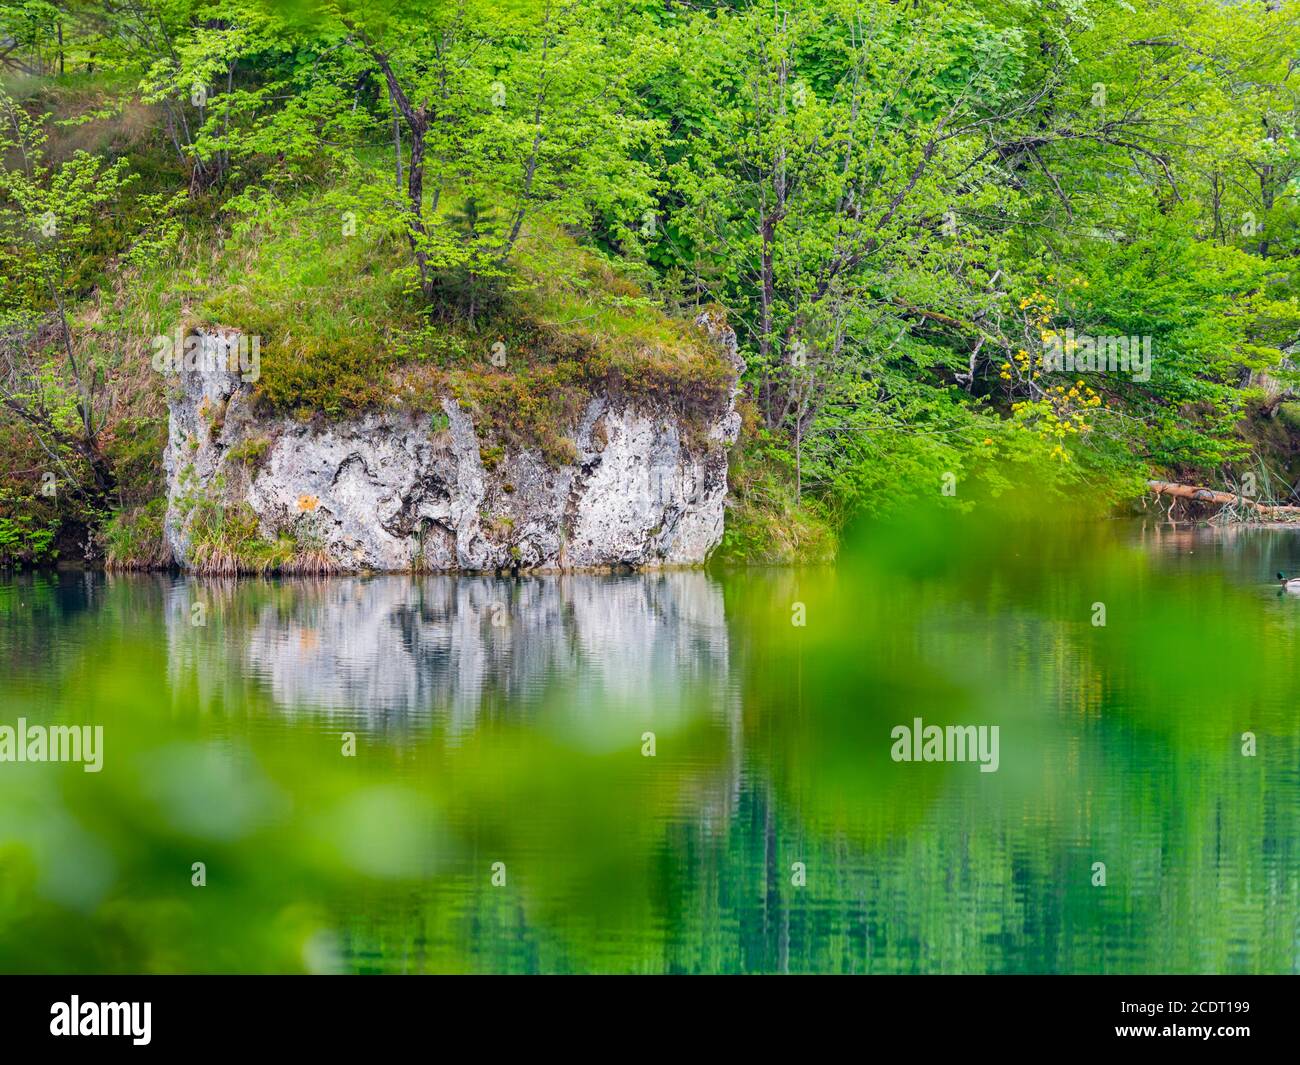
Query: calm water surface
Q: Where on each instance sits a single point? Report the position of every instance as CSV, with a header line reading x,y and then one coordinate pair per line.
x,y
455,774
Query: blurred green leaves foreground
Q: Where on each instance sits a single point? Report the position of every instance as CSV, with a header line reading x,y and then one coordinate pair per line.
x,y
1121,744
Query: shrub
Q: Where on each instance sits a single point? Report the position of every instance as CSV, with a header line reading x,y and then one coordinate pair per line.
x,y
134,538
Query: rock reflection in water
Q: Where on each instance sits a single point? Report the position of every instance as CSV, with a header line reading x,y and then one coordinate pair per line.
x,y
393,649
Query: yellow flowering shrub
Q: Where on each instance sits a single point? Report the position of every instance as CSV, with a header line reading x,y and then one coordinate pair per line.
x,y
1061,413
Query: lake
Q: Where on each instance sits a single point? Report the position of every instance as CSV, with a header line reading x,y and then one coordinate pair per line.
x,y
672,772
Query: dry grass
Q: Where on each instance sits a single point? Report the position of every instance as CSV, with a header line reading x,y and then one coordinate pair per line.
x,y
314,562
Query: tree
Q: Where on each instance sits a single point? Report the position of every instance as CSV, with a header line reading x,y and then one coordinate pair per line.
x,y
48,217
518,108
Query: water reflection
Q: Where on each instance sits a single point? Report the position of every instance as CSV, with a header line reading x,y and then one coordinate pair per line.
x,y
503,720
400,648
1247,555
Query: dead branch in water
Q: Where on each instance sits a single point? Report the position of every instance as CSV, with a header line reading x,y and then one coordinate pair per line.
x,y
1209,496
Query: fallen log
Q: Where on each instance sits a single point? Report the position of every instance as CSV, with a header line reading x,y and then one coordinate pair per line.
x,y
1209,495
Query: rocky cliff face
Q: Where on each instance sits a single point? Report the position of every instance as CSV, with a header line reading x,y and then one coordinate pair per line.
x,y
399,491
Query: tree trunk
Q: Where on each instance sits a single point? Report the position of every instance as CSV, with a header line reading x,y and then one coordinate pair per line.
x,y
1208,495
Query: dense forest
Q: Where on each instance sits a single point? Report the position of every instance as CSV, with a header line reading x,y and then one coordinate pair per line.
x,y
964,244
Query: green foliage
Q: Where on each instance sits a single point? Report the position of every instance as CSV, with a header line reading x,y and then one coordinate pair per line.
x,y
134,445
325,309
226,540
895,204
27,531
134,538
52,218
249,451
876,191
337,330
765,521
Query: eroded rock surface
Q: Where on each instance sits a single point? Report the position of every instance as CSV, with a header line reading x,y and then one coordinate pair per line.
x,y
398,491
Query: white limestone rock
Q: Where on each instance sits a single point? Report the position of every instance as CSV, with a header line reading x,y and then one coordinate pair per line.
x,y
390,491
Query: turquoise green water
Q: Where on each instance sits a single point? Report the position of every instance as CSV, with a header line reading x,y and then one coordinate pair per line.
x,y
499,807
